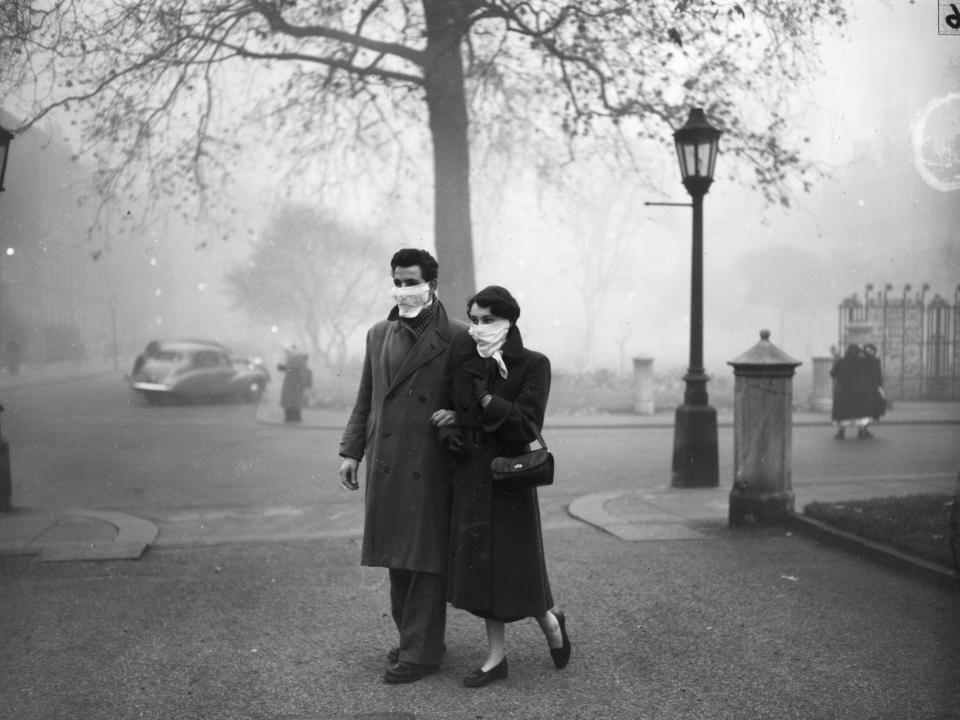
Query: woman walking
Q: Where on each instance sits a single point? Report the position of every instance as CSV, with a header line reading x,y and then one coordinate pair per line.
x,y
855,392
496,568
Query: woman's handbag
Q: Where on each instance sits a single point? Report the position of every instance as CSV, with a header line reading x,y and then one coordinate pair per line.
x,y
530,470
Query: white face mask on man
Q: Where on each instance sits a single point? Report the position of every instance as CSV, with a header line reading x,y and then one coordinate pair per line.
x,y
490,336
412,299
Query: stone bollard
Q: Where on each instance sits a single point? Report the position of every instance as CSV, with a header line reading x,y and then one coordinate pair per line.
x,y
762,492
822,399
643,390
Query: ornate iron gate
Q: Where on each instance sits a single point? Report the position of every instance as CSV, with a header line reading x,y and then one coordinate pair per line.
x,y
918,341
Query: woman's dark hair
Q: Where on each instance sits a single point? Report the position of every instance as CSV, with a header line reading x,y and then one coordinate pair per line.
x,y
408,257
498,301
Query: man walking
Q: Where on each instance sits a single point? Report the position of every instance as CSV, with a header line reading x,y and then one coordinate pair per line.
x,y
407,504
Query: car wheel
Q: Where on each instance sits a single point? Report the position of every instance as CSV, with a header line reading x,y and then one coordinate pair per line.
x,y
153,398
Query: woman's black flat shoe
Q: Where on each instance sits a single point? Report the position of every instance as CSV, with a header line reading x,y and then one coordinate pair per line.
x,y
561,655
479,678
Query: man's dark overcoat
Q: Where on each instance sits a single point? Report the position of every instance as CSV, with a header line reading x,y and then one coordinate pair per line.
x,y
496,566
407,503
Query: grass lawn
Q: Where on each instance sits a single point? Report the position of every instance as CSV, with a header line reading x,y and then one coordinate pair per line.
x,y
919,525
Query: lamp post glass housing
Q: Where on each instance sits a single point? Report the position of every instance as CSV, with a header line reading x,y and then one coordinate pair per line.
x,y
695,429
697,145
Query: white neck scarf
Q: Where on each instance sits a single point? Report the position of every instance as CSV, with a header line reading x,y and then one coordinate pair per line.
x,y
490,339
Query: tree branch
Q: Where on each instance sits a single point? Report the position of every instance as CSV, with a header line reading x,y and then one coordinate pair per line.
x,y
279,24
358,70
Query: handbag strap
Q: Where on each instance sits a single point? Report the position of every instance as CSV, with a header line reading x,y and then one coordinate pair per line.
x,y
536,430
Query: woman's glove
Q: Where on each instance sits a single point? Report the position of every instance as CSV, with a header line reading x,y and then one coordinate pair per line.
x,y
454,446
481,387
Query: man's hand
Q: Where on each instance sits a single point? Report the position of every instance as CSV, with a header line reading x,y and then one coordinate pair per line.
x,y
443,417
348,473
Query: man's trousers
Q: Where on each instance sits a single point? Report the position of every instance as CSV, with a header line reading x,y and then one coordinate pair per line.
x,y
418,602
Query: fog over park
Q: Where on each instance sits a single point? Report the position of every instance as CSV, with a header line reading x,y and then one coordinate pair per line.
x,y
578,247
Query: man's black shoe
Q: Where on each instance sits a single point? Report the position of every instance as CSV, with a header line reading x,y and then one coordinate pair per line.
x,y
393,655
405,672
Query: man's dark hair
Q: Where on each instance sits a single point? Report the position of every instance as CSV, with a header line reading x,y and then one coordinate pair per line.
x,y
498,301
408,257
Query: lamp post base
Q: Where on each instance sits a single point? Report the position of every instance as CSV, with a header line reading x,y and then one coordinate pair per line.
x,y
695,447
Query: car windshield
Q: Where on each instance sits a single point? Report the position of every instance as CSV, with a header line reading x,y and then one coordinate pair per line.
x,y
169,356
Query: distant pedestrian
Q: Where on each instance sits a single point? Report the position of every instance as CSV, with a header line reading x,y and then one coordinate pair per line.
x,y
296,379
407,504
874,370
497,569
854,393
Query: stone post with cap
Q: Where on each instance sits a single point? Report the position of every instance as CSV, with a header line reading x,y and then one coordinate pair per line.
x,y
762,492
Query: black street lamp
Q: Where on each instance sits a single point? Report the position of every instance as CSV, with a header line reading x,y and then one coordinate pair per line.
x,y
5,483
695,428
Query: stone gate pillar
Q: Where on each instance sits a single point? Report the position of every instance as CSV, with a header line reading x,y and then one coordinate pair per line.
x,y
643,386
822,397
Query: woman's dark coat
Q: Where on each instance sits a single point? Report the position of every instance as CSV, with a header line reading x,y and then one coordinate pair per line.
x,y
855,393
874,372
496,567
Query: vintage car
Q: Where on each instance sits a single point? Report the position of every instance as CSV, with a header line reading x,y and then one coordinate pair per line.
x,y
197,370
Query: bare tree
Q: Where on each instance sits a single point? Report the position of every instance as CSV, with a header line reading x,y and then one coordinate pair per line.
x,y
315,272
600,221
170,87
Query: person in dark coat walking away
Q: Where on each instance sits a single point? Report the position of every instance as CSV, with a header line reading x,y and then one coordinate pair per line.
x,y
497,569
854,394
407,501
296,379
874,371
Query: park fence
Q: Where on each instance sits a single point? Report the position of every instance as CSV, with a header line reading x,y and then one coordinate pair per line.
x,y
917,339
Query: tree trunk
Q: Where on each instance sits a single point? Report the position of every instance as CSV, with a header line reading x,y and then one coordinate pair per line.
x,y
447,108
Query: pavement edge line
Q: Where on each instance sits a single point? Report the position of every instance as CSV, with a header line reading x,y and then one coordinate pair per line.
x,y
882,554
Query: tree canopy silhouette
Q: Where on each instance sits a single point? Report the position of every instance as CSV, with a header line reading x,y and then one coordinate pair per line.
x,y
172,88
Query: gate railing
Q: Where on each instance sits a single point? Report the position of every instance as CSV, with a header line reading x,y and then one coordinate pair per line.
x,y
917,340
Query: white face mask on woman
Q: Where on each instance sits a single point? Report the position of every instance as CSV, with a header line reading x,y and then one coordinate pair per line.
x,y
490,337
412,299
